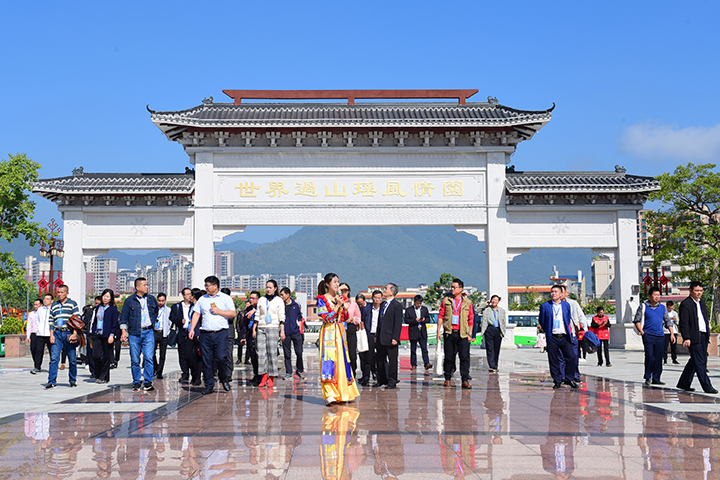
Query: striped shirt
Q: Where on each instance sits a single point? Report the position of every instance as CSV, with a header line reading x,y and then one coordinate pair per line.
x,y
60,313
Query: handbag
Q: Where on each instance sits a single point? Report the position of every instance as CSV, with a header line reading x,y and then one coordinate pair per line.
x,y
75,323
439,358
172,337
362,339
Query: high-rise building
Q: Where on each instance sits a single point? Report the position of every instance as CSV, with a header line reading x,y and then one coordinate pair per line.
x,y
308,282
34,269
284,280
603,277
170,275
224,264
101,274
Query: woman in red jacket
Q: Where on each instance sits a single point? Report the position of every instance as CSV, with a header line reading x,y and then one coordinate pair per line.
x,y
600,326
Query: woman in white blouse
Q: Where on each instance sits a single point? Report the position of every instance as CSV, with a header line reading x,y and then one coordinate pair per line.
x,y
269,320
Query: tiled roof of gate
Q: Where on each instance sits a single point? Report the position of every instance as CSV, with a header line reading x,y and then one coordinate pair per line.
x,y
331,115
578,183
116,184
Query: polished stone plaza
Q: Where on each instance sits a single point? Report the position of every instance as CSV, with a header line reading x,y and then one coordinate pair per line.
x,y
512,425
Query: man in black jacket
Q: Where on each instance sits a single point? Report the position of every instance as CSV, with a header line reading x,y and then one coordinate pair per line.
x,y
695,328
180,315
387,338
417,317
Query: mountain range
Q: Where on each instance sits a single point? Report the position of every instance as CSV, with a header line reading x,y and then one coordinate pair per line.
x,y
407,256
365,256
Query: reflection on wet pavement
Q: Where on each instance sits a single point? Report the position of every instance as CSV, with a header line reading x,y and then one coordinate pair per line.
x,y
511,425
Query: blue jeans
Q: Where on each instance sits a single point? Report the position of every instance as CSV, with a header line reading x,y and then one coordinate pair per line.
x,y
145,344
61,343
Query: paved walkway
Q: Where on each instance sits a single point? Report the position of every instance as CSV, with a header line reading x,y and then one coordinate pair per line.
x,y
511,425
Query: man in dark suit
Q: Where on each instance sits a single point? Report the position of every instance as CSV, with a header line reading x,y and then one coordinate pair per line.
x,y
694,327
387,338
417,317
370,315
555,319
180,316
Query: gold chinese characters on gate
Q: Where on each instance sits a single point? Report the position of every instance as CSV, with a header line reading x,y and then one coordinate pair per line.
x,y
276,189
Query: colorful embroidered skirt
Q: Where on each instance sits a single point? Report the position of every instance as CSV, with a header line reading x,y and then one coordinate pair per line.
x,y
336,375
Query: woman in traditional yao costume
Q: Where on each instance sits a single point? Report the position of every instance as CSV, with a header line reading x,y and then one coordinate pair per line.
x,y
336,376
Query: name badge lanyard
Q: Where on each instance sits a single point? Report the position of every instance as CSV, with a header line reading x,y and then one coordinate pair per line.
x,y
268,316
158,323
557,309
457,305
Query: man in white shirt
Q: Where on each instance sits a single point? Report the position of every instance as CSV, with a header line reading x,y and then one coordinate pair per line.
x,y
162,331
215,308
42,336
671,330
31,330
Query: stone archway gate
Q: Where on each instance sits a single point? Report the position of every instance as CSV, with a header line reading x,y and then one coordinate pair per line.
x,y
318,163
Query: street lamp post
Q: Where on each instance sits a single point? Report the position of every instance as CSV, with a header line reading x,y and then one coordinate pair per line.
x,y
54,248
655,280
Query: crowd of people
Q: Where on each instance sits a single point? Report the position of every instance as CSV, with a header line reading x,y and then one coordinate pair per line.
x,y
208,325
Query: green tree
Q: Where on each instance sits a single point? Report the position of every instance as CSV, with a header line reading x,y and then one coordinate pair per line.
x,y
239,303
17,173
16,292
592,306
438,290
531,301
687,227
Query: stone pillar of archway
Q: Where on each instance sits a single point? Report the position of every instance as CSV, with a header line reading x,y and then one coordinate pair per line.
x,y
73,261
626,264
204,247
496,237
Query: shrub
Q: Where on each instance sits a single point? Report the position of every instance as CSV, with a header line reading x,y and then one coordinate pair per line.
x,y
11,326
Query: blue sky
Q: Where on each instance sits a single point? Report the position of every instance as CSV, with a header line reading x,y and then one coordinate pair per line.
x,y
634,81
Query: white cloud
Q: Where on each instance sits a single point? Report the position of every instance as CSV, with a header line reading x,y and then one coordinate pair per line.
x,y
653,140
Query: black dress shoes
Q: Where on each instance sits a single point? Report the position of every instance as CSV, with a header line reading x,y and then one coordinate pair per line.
x,y
377,385
571,383
557,385
711,391
657,382
391,386
207,391
688,389
647,381
226,386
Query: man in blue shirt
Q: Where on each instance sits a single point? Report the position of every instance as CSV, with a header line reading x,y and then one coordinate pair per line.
x,y
137,319
649,321
215,308
290,334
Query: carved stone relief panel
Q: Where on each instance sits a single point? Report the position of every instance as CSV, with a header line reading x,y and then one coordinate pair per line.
x,y
561,229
